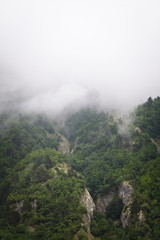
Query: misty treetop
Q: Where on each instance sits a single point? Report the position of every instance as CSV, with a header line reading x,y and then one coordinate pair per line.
x,y
148,117
41,188
22,135
68,72
80,54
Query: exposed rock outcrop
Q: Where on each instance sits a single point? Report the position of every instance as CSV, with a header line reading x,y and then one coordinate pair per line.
x,y
61,167
31,229
87,200
125,216
125,193
103,201
141,216
137,129
34,204
64,167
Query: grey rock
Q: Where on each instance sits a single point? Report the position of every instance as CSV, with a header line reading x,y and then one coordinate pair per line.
x,y
87,200
103,201
125,193
34,204
141,216
125,216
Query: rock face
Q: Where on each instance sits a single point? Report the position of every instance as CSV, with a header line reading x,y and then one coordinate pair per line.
x,y
64,166
141,216
87,200
125,216
125,193
103,201
137,129
61,167
34,204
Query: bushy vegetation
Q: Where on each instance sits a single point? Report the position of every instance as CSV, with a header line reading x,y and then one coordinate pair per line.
x,y
106,158
41,188
147,117
21,135
44,201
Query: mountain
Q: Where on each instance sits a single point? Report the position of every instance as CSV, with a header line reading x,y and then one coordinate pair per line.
x,y
96,176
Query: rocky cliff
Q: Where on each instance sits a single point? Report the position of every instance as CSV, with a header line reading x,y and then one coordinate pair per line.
x,y
125,193
103,201
87,200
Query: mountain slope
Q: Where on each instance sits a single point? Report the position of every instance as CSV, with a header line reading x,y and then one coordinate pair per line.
x,y
20,135
44,199
41,189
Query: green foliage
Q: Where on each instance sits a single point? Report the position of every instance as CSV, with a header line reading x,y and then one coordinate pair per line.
x,y
107,229
148,196
21,136
40,188
86,125
114,208
82,235
147,117
97,156
44,202
107,158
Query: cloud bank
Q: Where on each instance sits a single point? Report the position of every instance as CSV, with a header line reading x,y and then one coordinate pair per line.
x,y
57,53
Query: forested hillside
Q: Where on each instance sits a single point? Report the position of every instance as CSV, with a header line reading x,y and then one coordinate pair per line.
x,y
20,135
44,189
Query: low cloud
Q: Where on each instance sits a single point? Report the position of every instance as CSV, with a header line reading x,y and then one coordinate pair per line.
x,y
56,54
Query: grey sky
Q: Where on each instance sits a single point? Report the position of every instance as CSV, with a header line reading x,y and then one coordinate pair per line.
x,y
57,52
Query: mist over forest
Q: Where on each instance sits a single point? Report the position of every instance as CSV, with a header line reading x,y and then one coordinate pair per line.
x,y
79,120
57,54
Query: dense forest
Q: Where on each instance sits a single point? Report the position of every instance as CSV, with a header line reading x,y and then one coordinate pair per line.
x,y
93,176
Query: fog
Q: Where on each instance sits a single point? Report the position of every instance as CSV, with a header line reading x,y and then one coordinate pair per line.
x,y
60,53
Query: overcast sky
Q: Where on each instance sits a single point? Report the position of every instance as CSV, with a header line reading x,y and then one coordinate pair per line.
x,y
57,52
